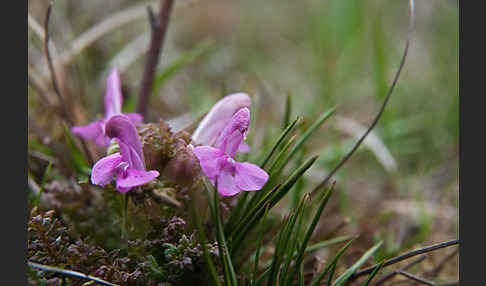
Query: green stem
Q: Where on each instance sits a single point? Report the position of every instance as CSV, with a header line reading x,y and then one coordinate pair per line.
x,y
124,219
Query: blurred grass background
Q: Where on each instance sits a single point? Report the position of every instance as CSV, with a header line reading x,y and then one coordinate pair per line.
x,y
340,53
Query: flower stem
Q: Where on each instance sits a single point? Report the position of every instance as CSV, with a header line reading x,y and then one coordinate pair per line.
x,y
124,219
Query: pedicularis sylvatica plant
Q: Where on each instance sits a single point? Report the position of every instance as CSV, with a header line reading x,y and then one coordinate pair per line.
x,y
195,206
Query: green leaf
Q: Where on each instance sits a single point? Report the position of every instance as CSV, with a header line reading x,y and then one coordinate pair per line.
x,y
172,69
345,276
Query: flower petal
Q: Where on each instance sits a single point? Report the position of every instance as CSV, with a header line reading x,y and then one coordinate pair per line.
x,y
230,139
121,128
250,177
105,169
92,131
134,117
210,159
113,95
218,117
226,184
133,178
243,148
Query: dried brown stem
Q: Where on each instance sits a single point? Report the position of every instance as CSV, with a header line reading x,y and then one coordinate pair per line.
x,y
380,112
51,66
66,113
416,278
435,272
158,27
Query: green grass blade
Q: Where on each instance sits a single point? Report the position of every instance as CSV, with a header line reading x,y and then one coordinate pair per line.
x,y
288,110
272,280
229,272
373,274
80,163
345,276
202,240
327,243
310,230
278,142
331,264
273,198
169,71
241,204
302,139
290,253
259,245
281,158
301,275
236,213
331,274
262,276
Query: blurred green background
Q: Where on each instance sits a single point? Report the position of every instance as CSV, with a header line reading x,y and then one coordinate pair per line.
x,y
402,187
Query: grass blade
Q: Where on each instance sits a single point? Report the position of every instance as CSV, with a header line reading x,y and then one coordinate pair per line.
x,y
189,56
288,110
302,139
327,243
331,274
291,250
43,182
202,241
310,230
273,198
259,245
80,163
272,280
373,274
301,275
241,204
345,276
278,142
331,264
229,272
262,276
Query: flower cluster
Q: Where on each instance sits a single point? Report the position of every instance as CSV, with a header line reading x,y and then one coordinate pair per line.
x,y
218,137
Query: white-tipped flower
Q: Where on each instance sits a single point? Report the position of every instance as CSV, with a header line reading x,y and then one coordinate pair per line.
x,y
218,117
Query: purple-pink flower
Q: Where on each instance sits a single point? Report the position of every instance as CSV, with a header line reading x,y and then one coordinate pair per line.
x,y
218,117
128,166
113,106
218,162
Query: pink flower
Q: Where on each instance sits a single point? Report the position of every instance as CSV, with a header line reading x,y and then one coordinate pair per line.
x,y
218,117
128,166
113,104
218,163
